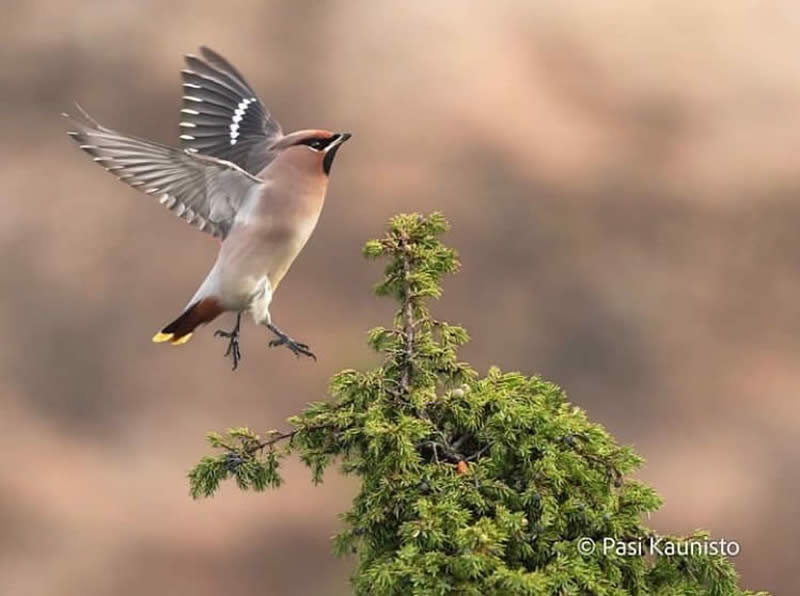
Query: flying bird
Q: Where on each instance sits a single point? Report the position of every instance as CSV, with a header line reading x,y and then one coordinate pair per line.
x,y
237,176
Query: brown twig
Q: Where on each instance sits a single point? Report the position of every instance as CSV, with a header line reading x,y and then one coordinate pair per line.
x,y
478,453
272,441
439,449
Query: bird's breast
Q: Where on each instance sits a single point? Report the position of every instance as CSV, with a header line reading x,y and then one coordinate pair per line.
x,y
264,246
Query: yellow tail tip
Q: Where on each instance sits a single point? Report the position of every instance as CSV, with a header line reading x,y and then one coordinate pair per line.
x,y
162,337
182,340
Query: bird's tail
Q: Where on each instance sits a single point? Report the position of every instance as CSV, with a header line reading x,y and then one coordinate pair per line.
x,y
180,330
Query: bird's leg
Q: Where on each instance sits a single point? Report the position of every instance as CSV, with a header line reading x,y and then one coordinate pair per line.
x,y
296,347
233,344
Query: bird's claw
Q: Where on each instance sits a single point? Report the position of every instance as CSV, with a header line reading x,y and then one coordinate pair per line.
x,y
296,347
233,344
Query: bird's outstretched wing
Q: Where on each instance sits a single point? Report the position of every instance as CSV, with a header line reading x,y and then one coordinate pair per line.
x,y
222,116
204,191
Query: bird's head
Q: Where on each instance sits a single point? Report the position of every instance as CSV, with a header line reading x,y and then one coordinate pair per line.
x,y
311,148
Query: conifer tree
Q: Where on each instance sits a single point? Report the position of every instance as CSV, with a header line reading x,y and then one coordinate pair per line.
x,y
468,485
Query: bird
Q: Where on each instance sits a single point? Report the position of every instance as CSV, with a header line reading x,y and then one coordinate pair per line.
x,y
235,175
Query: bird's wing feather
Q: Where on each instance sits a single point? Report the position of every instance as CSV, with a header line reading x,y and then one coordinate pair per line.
x,y
204,191
222,116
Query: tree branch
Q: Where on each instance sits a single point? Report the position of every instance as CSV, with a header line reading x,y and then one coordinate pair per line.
x,y
272,441
408,317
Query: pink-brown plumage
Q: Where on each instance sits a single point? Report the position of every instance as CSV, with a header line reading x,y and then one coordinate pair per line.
x,y
238,177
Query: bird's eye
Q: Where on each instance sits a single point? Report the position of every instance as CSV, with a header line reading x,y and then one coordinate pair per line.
x,y
316,144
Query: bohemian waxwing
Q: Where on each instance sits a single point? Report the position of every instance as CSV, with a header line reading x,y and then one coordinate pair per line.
x,y
237,177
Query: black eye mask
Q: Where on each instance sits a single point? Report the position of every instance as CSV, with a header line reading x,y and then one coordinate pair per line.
x,y
318,143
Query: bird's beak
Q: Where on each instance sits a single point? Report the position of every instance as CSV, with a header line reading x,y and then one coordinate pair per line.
x,y
339,139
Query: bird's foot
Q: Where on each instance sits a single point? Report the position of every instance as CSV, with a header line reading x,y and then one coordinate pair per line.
x,y
233,342
296,347
233,351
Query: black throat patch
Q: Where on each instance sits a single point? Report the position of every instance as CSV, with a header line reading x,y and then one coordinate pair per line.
x,y
328,161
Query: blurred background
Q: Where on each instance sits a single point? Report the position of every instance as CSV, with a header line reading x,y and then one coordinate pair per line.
x,y
622,181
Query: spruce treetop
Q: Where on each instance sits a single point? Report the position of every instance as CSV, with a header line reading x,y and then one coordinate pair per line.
x,y
468,485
